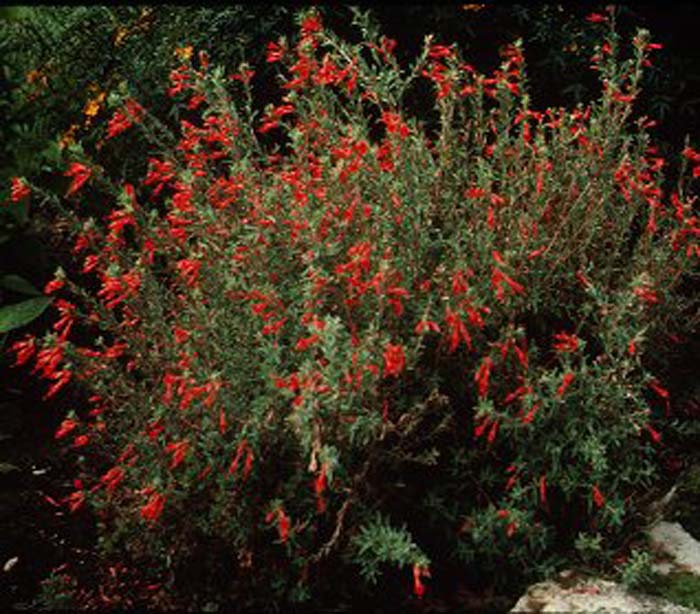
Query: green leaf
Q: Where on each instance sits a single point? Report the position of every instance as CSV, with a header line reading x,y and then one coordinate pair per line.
x,y
8,468
19,314
15,283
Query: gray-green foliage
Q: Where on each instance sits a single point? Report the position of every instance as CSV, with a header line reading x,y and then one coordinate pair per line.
x,y
379,542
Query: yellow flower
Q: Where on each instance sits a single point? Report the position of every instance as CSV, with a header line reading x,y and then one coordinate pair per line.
x,y
33,75
120,35
92,107
184,53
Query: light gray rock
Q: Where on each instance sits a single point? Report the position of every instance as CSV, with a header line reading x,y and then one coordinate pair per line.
x,y
592,595
673,541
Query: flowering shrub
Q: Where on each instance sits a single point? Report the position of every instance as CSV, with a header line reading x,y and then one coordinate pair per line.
x,y
330,332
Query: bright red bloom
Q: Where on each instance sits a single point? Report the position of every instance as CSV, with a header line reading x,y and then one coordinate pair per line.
x,y
320,484
457,329
75,500
566,382
274,52
498,277
189,270
598,498
66,427
395,125
53,285
112,478
19,190
153,508
663,393
242,447
565,343
424,325
596,18
283,523
306,343
311,24
178,449
118,124
181,335
394,360
60,379
493,431
530,416
80,174
80,441
653,433
481,377
419,572
646,294
24,350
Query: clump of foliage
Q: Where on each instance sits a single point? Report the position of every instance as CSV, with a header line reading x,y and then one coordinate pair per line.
x,y
325,341
62,63
682,588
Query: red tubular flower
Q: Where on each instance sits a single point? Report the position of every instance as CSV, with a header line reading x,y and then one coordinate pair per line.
x,y
283,523
394,360
80,441
419,572
493,431
248,464
482,376
19,191
24,350
566,382
498,277
181,335
653,433
663,393
80,174
60,379
153,508
66,427
565,343
543,489
598,498
239,454
53,286
530,416
311,24
189,270
646,294
112,478
457,330
274,52
596,18
75,500
117,124
306,343
424,325
481,427
178,449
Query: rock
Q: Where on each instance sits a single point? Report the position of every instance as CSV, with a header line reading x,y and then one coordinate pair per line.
x,y
592,595
673,541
